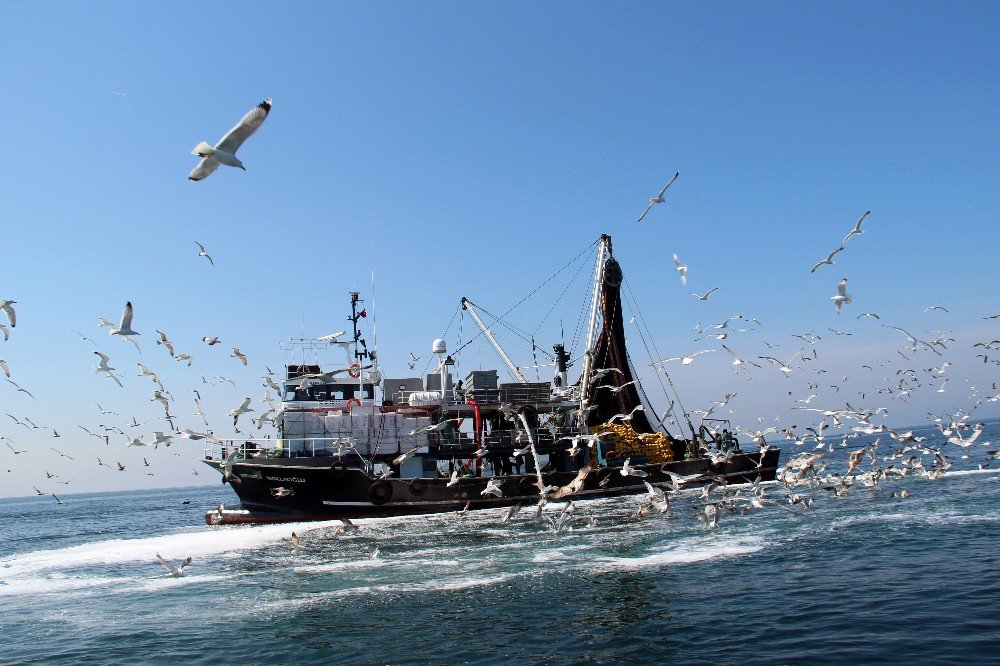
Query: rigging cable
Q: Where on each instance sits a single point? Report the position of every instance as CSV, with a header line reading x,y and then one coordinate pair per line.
x,y
533,291
641,319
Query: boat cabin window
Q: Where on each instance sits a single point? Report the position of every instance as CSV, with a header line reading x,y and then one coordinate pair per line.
x,y
330,392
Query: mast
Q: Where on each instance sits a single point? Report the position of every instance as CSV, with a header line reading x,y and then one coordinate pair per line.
x,y
466,305
603,248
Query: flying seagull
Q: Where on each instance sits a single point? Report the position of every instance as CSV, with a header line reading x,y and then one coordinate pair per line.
x,y
857,228
202,252
706,295
842,295
224,152
658,199
6,307
682,269
828,260
125,327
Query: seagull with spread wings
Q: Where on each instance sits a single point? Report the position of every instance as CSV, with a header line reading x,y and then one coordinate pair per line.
x,y
842,295
658,199
224,152
202,252
856,231
828,260
125,327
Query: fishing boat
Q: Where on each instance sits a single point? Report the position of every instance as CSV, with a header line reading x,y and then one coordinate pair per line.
x,y
353,443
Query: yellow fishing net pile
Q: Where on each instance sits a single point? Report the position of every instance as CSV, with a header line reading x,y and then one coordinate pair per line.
x,y
628,443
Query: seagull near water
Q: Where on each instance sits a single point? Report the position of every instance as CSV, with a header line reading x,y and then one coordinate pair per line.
x,y
658,199
224,151
176,570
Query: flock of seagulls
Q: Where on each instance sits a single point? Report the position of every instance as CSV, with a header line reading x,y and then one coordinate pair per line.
x,y
110,430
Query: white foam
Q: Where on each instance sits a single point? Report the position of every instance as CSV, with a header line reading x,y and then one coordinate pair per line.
x,y
198,544
681,554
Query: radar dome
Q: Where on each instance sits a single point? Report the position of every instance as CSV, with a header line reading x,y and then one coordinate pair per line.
x,y
439,347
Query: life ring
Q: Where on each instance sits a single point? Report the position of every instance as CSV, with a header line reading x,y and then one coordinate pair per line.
x,y
354,370
339,468
353,402
418,486
379,492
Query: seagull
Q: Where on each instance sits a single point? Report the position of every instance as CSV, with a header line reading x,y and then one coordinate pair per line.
x,y
628,470
158,395
242,409
682,269
6,333
106,369
125,327
5,305
162,439
738,362
685,360
936,307
618,389
453,481
224,151
706,295
185,357
914,340
165,342
856,231
293,541
3,366
842,295
710,517
211,340
202,252
868,314
828,260
658,199
626,417
492,488
785,367
238,354
176,570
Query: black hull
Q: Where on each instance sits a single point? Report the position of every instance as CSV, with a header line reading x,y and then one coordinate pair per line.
x,y
313,489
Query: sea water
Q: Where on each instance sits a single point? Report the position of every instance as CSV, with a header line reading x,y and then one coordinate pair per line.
x,y
864,578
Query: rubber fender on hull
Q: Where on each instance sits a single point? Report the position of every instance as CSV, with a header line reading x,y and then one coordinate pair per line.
x,y
379,492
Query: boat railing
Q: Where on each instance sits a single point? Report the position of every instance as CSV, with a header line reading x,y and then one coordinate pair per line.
x,y
312,447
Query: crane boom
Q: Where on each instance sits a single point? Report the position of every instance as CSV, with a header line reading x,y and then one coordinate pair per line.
x,y
467,306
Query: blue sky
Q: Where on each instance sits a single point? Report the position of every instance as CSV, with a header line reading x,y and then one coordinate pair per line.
x,y
466,149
